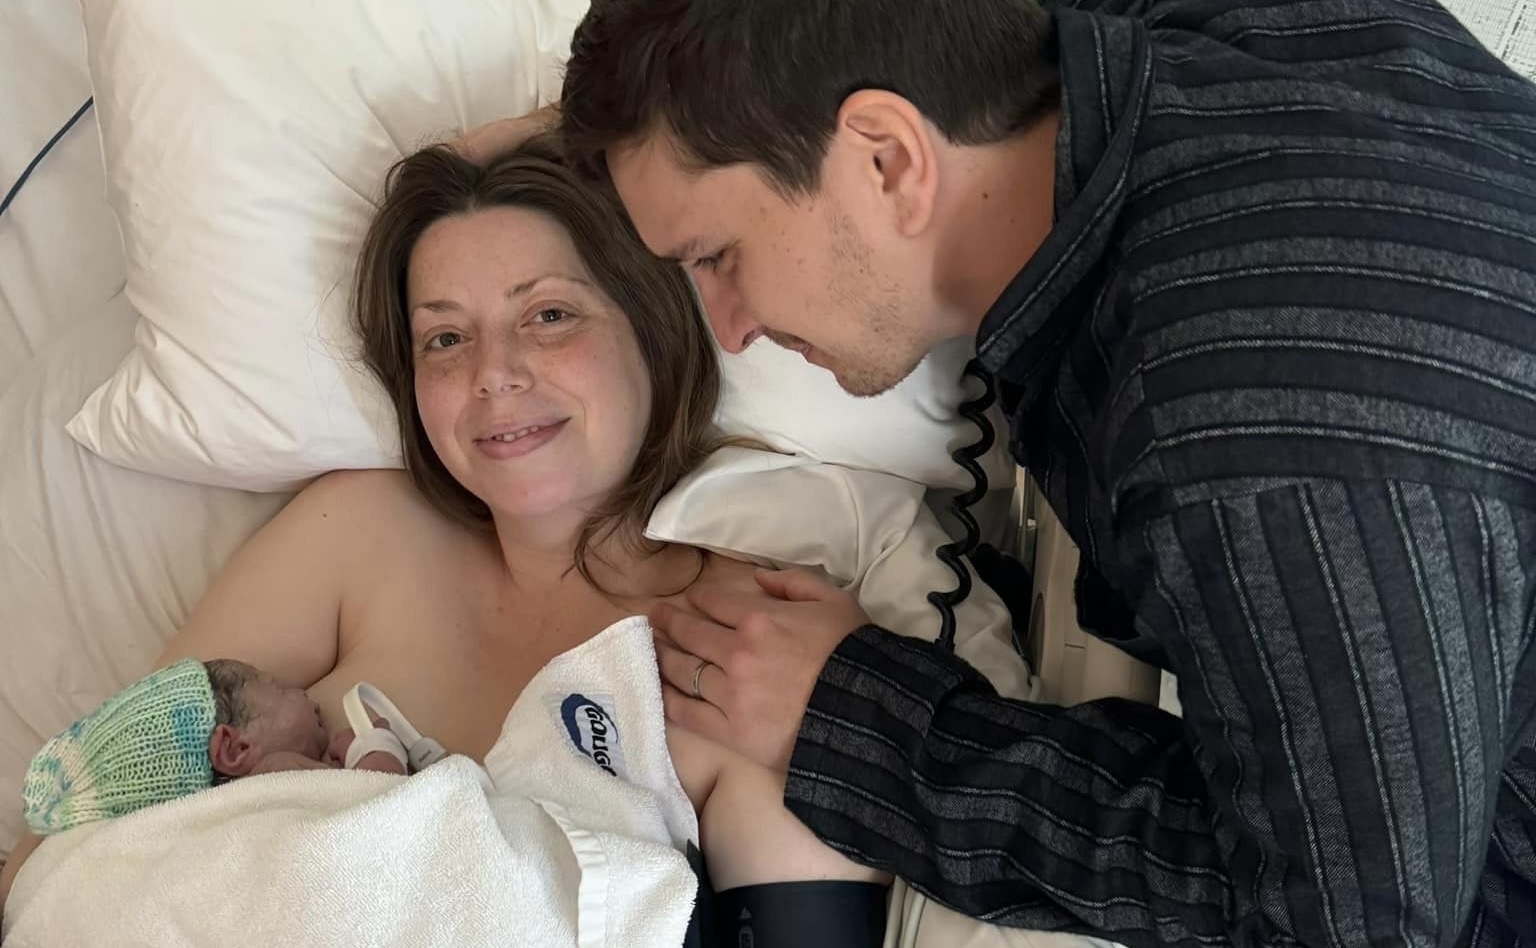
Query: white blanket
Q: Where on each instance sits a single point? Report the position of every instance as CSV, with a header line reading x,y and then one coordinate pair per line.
x,y
571,835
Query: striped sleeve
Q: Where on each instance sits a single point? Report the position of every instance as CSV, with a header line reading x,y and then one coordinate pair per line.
x,y
1353,728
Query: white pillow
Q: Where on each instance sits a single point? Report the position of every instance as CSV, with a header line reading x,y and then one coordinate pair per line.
x,y
869,532
244,143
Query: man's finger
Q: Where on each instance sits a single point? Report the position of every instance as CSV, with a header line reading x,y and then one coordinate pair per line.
x,y
489,141
727,605
795,585
690,633
700,717
678,667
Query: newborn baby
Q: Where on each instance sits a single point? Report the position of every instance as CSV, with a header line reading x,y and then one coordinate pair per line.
x,y
182,729
263,726
765,878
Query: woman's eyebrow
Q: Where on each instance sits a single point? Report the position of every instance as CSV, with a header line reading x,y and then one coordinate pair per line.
x,y
521,289
526,286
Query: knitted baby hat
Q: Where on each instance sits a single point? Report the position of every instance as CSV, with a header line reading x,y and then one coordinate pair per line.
x,y
145,745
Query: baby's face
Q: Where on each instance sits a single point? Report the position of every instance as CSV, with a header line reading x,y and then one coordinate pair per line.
x,y
283,718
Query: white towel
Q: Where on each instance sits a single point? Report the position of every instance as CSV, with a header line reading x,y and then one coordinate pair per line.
x,y
587,740
569,837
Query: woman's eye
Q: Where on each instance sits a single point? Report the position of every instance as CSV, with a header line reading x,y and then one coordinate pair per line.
x,y
545,317
711,262
444,340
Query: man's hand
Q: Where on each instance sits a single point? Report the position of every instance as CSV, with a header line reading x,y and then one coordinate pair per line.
x,y
481,145
761,653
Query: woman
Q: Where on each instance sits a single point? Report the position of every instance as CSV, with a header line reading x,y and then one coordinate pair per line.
x,y
552,381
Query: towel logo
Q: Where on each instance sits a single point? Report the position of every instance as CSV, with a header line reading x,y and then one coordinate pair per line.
x,y
593,730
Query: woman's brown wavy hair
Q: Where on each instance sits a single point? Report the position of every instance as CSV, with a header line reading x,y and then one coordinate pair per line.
x,y
674,341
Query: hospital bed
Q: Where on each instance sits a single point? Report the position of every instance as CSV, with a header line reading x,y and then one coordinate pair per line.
x,y
98,561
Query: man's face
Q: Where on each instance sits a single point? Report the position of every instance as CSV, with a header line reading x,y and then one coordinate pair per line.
x,y
814,274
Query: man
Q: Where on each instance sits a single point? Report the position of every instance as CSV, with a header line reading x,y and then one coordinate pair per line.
x,y
1255,282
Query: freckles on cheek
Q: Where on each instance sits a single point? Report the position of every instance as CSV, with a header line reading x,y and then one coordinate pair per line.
x,y
432,378
434,387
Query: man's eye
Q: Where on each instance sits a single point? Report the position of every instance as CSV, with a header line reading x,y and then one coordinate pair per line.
x,y
444,340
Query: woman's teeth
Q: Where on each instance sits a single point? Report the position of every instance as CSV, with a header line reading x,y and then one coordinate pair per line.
x,y
514,435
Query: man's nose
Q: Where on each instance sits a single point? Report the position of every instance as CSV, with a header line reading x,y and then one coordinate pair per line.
x,y
731,322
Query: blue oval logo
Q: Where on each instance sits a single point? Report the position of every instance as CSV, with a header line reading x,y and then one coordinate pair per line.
x,y
593,730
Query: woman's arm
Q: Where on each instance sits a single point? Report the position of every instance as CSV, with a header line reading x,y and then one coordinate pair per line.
x,y
277,604
747,835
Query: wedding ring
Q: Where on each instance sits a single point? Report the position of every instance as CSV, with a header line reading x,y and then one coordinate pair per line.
x,y
696,673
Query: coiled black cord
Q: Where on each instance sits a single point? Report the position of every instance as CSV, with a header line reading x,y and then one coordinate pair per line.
x,y
953,554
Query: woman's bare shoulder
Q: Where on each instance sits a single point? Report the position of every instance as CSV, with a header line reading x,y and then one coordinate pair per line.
x,y
277,603
352,493
370,507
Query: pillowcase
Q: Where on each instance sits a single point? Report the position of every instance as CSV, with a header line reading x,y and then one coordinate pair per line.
x,y
868,532
245,144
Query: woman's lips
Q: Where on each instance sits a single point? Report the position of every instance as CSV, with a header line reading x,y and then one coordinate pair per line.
x,y
501,450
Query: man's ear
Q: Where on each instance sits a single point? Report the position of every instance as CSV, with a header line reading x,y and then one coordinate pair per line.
x,y
231,752
896,148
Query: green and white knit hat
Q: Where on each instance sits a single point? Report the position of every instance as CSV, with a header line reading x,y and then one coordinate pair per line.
x,y
145,745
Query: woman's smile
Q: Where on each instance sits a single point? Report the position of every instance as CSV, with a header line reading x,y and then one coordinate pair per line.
x,y
519,442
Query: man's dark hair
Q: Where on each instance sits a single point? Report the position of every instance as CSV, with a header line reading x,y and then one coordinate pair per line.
x,y
760,81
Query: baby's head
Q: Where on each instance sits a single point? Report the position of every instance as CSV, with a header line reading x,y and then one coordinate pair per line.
x,y
178,730
256,716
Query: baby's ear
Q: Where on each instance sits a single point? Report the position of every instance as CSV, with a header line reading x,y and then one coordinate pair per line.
x,y
231,752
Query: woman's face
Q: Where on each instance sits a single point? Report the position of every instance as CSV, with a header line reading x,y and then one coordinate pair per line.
x,y
529,381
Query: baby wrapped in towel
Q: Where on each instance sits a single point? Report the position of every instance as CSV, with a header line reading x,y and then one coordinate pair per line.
x,y
179,730
585,741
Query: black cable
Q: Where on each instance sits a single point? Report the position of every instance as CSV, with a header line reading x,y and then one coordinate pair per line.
x,y
953,554
37,159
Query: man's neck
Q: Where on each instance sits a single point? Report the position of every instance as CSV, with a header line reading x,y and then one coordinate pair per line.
x,y
1000,210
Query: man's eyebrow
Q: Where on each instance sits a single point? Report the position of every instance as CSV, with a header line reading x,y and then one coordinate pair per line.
x,y
684,253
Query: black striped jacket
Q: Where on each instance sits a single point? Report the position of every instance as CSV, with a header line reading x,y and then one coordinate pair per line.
x,y
1275,368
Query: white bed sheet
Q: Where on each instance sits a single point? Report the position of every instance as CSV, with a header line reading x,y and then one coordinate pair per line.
x,y
60,256
98,564
106,560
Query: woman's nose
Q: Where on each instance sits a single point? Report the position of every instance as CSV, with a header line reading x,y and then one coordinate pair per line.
x,y
501,367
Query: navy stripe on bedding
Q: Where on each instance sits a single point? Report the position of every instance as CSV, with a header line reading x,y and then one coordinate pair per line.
x,y
10,195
